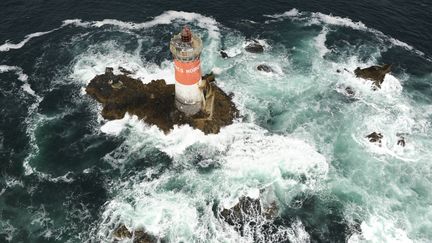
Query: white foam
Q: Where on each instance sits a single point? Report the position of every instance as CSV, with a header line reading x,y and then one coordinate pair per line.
x,y
8,46
262,42
7,229
320,42
232,200
317,18
18,71
31,110
253,193
338,21
75,22
94,61
299,233
391,86
247,144
111,54
21,76
247,158
379,229
233,51
250,158
26,87
217,70
116,126
291,13
13,182
41,219
165,18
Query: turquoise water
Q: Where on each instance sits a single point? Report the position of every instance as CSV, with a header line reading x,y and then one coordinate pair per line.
x,y
300,139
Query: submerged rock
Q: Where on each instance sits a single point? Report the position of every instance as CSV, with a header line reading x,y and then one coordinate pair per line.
x,y
139,236
155,102
375,137
374,73
349,91
239,214
254,47
125,71
122,232
323,217
271,211
265,68
109,70
224,55
401,140
251,219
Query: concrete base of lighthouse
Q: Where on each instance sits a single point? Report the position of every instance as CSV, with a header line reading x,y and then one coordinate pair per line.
x,y
188,98
188,109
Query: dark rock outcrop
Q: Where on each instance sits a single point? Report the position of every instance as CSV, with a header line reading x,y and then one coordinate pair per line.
x,y
122,232
154,102
139,236
125,71
401,140
349,91
250,217
241,212
224,55
210,77
254,47
375,137
271,211
374,73
323,217
265,68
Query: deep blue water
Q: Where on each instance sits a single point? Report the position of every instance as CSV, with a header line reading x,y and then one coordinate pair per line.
x,y
66,175
407,21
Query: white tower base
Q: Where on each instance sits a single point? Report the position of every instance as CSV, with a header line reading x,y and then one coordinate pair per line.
x,y
188,98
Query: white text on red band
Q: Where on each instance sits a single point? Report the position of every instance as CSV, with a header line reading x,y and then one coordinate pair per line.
x,y
191,70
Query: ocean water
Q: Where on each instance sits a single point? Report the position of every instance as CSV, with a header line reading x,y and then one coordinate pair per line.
x,y
68,175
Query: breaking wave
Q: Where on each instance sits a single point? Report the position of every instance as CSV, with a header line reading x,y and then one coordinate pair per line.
x,y
316,18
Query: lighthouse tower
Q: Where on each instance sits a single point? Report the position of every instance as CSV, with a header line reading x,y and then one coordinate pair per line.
x,y
186,48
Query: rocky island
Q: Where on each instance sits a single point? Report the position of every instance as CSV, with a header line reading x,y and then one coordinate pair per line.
x,y
374,73
154,102
193,99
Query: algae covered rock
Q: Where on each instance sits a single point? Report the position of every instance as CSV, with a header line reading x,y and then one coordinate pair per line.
x,y
375,137
374,73
265,68
254,47
241,212
154,102
139,235
255,219
122,232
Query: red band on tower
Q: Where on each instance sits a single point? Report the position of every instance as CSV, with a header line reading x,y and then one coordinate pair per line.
x,y
187,73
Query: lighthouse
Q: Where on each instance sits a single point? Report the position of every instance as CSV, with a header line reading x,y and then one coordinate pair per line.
x,y
186,48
